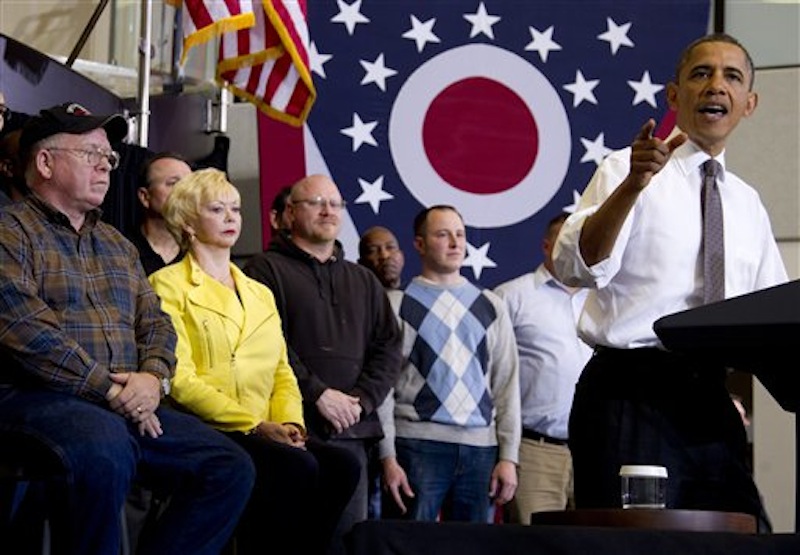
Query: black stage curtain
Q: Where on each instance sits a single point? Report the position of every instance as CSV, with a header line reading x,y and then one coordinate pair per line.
x,y
393,537
121,208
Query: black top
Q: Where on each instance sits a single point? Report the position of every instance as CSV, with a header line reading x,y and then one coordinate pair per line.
x,y
151,260
339,326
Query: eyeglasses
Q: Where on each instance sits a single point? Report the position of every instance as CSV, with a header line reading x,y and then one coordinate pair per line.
x,y
94,157
320,202
5,112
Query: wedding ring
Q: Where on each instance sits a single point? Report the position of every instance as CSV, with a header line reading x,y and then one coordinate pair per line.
x,y
139,409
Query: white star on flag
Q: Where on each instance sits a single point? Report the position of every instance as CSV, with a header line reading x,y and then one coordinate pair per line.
x,y
595,150
478,259
350,15
361,132
421,33
645,90
317,60
542,42
616,36
373,193
376,72
481,22
582,89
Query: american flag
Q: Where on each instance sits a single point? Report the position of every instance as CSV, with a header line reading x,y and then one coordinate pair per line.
x,y
202,21
263,51
267,64
502,108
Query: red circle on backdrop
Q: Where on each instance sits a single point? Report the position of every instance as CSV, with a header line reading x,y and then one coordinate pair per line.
x,y
498,199
480,136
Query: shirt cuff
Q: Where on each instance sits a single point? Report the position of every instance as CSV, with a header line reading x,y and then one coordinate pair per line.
x,y
157,367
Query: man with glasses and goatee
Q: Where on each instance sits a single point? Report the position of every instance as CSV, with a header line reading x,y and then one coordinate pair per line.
x,y
344,344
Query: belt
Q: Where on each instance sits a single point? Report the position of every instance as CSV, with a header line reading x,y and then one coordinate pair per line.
x,y
536,436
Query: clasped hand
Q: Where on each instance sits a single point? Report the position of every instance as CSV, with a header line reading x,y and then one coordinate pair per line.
x,y
287,433
340,409
136,396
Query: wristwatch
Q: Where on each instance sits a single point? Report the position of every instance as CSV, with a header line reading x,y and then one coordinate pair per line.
x,y
166,386
164,382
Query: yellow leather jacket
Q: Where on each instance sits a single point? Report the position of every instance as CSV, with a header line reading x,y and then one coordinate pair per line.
x,y
232,370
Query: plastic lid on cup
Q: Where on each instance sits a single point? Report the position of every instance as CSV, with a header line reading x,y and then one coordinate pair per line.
x,y
643,471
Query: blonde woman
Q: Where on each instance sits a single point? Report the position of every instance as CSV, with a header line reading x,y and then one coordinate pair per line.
x,y
234,374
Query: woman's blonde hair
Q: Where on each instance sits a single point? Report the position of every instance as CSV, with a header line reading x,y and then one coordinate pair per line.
x,y
190,193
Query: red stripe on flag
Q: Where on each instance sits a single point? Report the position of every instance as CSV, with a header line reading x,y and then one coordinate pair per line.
x,y
271,36
666,125
233,7
199,14
243,42
298,99
288,22
255,77
281,155
276,76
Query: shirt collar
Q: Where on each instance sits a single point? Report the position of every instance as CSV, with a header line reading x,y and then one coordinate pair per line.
x,y
58,217
543,276
690,157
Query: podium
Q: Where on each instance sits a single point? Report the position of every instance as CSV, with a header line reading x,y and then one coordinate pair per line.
x,y
756,333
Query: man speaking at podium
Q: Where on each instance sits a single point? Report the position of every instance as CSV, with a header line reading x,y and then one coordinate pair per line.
x,y
639,240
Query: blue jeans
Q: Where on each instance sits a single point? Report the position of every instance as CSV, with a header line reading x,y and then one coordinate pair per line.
x,y
207,476
439,472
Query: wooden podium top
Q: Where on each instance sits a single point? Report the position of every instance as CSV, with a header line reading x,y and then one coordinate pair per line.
x,y
658,519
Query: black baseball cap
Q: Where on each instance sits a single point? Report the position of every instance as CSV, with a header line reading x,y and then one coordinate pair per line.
x,y
70,118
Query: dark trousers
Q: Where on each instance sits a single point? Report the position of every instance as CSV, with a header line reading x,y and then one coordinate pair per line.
x,y
207,476
299,495
356,510
647,406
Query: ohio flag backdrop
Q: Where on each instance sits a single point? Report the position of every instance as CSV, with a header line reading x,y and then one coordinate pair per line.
x,y
502,108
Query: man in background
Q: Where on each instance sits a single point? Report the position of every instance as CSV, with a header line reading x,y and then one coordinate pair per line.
x,y
342,336
379,250
545,315
157,247
452,427
278,215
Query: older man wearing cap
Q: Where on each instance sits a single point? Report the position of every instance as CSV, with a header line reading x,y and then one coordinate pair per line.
x,y
90,355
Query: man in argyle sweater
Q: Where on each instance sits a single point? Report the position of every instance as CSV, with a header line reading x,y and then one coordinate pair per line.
x,y
452,426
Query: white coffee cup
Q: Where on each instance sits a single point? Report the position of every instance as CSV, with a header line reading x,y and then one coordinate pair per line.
x,y
643,486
